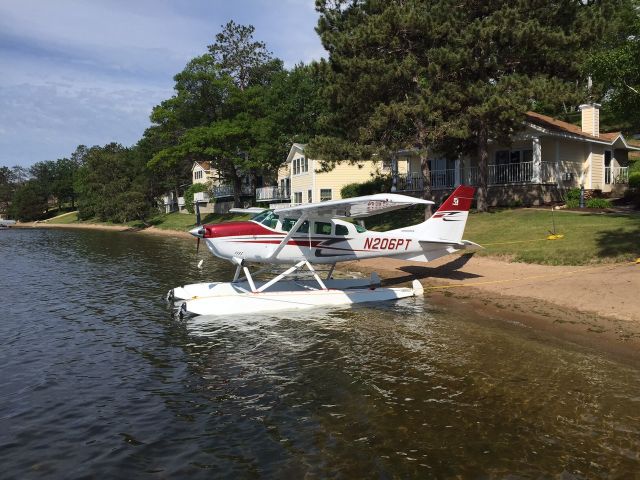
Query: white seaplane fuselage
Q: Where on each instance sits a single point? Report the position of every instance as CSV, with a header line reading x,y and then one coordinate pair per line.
x,y
314,234
320,241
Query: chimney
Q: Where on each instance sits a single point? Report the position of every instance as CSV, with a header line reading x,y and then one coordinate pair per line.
x,y
590,118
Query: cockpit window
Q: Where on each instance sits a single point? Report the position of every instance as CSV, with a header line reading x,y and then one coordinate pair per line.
x,y
268,219
360,229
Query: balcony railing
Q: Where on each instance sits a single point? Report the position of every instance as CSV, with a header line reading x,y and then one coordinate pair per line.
x,y
220,191
512,173
268,194
614,175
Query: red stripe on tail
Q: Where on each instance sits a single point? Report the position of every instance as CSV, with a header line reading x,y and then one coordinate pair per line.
x,y
460,200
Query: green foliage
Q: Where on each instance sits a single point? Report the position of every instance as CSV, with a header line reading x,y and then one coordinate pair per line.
x,y
615,66
188,195
113,185
598,203
573,194
573,203
379,184
450,75
29,202
634,179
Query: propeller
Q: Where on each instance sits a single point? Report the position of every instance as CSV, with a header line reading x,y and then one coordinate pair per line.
x,y
198,223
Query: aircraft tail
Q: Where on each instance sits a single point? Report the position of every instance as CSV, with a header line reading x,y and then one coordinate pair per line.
x,y
447,224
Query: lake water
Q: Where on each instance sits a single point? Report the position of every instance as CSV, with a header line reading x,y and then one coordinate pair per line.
x,y
97,380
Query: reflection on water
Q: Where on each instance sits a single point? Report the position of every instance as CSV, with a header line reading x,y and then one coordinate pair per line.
x,y
96,378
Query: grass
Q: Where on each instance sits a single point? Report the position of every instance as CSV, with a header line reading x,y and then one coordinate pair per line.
x,y
517,235
520,235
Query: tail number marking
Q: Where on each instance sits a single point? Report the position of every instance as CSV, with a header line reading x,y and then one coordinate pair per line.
x,y
386,243
455,201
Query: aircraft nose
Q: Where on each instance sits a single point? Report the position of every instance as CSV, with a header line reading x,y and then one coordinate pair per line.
x,y
198,232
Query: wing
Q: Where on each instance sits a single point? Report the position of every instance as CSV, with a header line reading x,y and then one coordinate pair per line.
x,y
357,207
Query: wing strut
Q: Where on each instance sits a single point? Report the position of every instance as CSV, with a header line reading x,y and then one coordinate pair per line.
x,y
286,239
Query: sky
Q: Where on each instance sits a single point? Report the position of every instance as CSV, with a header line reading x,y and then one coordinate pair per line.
x,y
89,72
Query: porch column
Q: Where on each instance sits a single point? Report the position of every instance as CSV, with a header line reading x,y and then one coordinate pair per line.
x,y
394,173
456,173
537,161
558,172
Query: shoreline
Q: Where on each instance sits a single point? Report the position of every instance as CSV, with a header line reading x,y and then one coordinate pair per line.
x,y
597,306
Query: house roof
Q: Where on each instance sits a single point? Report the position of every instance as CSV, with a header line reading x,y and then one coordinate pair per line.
x,y
205,165
295,148
559,126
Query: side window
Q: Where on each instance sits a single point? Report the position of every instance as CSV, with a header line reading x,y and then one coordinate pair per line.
x,y
342,230
323,228
360,229
288,223
304,228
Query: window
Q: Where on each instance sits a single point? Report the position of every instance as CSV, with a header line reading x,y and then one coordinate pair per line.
x,y
198,174
360,229
288,223
300,165
342,230
304,228
268,219
325,194
297,197
323,228
309,196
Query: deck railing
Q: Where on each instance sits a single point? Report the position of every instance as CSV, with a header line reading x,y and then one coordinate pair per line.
x,y
614,175
511,173
220,191
268,194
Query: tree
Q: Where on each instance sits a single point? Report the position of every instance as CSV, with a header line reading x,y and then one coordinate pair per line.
x,y
113,185
218,112
449,75
29,201
615,68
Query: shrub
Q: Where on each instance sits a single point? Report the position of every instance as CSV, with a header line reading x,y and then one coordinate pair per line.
x,y
188,195
573,203
573,194
379,184
598,203
634,180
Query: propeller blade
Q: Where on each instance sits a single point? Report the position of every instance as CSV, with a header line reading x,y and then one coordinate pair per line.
x,y
198,220
198,246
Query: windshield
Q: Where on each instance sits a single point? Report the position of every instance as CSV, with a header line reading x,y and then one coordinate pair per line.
x,y
268,219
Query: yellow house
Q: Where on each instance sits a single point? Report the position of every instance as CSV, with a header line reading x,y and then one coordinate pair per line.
x,y
301,181
543,161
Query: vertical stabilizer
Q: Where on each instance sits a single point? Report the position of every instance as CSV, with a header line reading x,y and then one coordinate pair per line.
x,y
447,224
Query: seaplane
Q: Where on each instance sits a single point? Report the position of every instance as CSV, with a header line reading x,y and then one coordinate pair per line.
x,y
302,237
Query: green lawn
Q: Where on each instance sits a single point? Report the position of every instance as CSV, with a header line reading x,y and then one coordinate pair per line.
x,y
588,238
520,235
